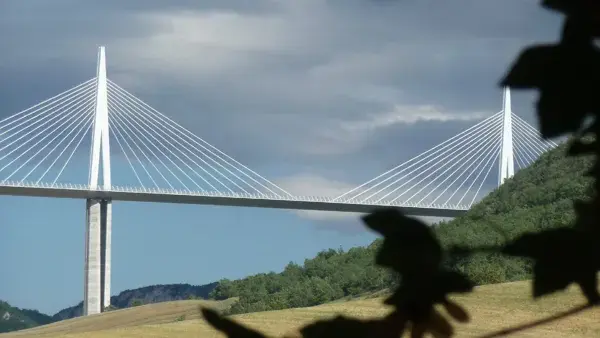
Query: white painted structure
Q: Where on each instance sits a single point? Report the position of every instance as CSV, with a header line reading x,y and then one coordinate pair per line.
x,y
507,164
99,210
131,194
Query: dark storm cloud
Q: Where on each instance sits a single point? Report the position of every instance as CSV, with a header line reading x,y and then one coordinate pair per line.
x,y
273,83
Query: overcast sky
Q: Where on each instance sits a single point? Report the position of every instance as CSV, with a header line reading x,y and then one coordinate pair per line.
x,y
317,95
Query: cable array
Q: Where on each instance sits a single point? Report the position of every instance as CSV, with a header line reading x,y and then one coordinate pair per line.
x,y
163,154
443,176
38,143
452,174
527,143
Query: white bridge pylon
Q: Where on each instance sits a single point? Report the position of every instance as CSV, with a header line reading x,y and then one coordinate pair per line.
x,y
507,164
100,136
98,211
128,127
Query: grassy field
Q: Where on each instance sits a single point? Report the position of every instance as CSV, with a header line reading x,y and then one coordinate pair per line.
x,y
493,307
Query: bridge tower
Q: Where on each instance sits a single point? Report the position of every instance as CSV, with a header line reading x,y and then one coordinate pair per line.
x,y
98,211
507,164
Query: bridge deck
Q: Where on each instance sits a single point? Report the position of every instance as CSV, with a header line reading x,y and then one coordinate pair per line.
x,y
295,203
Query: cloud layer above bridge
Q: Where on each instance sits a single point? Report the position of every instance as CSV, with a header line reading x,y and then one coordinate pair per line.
x,y
320,95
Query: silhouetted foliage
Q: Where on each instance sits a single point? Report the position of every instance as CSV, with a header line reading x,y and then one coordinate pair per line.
x,y
566,74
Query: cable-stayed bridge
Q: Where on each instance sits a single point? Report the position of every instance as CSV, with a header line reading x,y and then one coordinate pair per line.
x,y
98,120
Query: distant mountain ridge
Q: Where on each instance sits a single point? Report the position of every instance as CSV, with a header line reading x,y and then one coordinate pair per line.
x,y
13,318
145,295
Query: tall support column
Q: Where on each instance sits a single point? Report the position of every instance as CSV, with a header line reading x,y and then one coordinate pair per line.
x,y
92,280
99,212
507,164
105,250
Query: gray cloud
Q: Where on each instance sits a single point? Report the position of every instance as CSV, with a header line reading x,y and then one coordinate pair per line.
x,y
341,90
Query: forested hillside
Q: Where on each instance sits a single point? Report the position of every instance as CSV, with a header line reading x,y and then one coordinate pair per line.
x,y
12,318
538,197
332,274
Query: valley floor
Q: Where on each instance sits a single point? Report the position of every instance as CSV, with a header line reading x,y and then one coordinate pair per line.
x,y
493,307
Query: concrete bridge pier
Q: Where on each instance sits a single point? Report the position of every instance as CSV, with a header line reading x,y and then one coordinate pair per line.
x,y
97,256
96,294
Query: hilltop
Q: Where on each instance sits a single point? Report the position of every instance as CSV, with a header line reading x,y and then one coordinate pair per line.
x,y
12,318
145,295
538,197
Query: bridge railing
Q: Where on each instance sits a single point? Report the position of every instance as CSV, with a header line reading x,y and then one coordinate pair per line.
x,y
153,190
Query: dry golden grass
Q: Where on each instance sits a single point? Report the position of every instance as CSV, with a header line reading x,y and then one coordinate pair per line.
x,y
493,307
159,313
